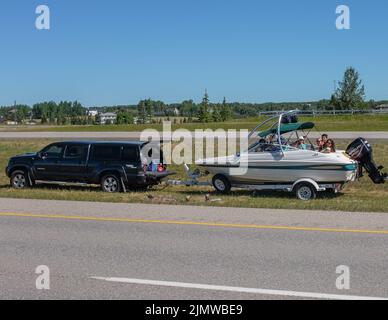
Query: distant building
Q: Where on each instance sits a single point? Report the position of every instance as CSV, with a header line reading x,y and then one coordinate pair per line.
x,y
92,113
382,107
176,112
107,118
11,115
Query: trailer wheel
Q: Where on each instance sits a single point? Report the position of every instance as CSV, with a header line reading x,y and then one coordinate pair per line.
x,y
221,184
305,191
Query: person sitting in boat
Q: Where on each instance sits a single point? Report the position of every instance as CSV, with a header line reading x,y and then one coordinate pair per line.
x,y
322,141
259,147
329,146
271,138
264,146
300,144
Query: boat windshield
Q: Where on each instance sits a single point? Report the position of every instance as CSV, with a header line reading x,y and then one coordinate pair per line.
x,y
259,147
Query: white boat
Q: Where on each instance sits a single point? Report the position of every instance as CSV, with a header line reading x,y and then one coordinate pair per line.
x,y
287,167
278,165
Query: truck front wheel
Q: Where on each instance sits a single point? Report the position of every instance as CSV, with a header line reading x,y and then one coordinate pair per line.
x,y
19,180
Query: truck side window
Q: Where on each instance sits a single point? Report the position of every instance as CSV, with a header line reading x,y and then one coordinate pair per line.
x,y
106,153
130,154
76,152
54,151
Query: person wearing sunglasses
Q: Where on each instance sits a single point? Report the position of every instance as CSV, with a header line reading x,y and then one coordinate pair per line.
x,y
329,146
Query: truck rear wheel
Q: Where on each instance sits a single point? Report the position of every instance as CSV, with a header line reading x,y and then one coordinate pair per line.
x,y
111,183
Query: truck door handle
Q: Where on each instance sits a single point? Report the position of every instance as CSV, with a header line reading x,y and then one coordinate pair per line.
x,y
130,166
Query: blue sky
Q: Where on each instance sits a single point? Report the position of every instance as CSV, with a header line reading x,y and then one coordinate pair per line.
x,y
120,51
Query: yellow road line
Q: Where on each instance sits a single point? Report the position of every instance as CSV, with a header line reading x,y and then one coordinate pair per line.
x,y
190,223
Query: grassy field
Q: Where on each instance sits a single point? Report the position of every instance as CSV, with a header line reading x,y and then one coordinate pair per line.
x,y
324,123
359,196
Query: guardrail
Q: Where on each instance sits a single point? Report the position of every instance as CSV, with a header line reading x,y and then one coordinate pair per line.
x,y
327,112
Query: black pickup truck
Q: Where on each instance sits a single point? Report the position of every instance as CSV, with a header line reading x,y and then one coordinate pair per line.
x,y
115,166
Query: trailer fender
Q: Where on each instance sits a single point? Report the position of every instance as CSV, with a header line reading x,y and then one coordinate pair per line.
x,y
311,181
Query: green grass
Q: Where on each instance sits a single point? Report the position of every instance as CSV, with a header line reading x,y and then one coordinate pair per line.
x,y
358,196
324,123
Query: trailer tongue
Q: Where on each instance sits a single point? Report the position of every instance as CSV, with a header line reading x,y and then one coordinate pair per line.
x,y
361,151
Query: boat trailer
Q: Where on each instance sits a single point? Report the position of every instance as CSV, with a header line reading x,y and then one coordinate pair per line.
x,y
194,176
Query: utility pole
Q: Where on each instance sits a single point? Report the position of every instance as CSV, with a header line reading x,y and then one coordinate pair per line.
x,y
335,89
14,112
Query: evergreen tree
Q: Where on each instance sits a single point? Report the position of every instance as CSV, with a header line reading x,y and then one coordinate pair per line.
x,y
226,112
216,116
351,92
204,113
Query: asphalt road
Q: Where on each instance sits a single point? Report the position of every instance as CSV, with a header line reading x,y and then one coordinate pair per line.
x,y
136,135
256,249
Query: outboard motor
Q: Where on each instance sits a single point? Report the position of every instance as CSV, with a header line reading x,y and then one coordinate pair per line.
x,y
361,151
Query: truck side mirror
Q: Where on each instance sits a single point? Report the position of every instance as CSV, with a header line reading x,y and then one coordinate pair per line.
x,y
42,155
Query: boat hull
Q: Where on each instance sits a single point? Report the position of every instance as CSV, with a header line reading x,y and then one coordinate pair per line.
x,y
286,169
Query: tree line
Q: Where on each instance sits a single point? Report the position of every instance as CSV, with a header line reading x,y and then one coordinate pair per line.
x,y
348,95
50,112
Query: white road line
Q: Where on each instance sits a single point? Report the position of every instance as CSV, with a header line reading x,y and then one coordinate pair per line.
x,y
237,289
